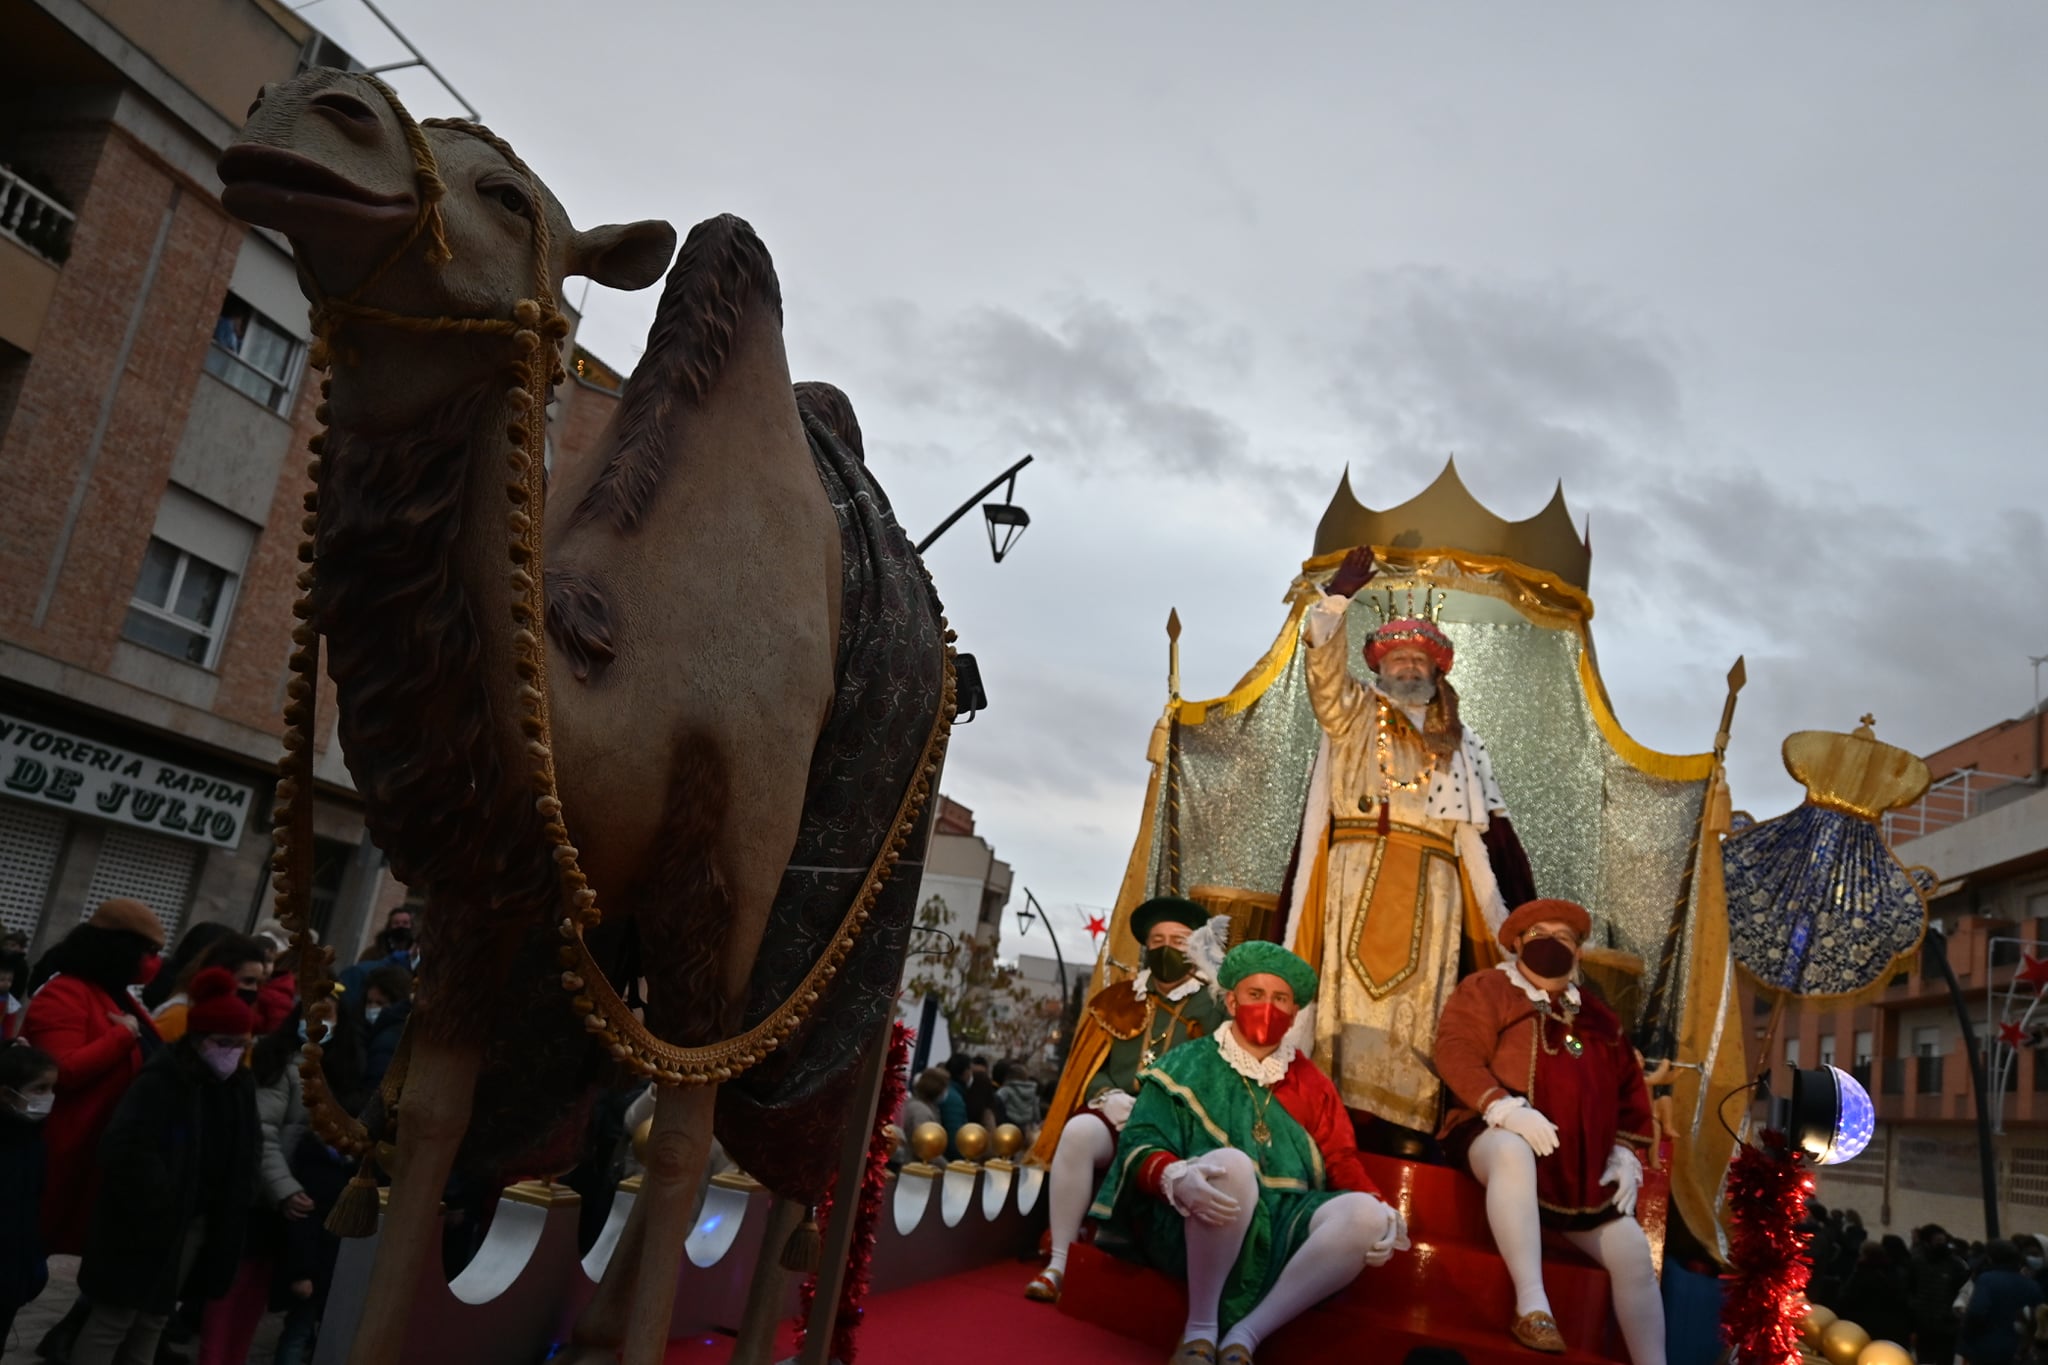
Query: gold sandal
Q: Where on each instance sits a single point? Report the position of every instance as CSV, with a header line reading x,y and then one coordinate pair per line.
x,y
1538,1332
1194,1353
1045,1286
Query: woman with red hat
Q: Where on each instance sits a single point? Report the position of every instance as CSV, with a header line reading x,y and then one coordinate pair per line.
x,y
1551,1113
180,1162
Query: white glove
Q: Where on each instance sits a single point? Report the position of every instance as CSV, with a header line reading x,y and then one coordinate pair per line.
x,y
1394,1239
1527,1123
1189,1188
1624,1172
1115,1106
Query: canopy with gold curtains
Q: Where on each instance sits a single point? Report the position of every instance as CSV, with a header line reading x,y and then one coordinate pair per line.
x,y
1605,821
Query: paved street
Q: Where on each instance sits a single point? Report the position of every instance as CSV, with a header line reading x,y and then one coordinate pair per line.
x,y
36,1319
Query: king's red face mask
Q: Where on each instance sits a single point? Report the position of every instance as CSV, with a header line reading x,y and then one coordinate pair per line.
x,y
1263,1023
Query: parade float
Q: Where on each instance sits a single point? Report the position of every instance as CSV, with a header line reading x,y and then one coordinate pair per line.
x,y
1820,908
1607,822
532,671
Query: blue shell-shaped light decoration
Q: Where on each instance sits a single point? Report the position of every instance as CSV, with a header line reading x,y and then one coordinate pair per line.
x,y
1818,906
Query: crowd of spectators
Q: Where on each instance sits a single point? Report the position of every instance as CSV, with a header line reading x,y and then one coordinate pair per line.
x,y
1977,1303
152,1124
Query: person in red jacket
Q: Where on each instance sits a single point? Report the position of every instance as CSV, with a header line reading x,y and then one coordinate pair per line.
x,y
100,1035
1551,1113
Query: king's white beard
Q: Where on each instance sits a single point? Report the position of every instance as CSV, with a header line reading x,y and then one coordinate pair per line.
x,y
1408,691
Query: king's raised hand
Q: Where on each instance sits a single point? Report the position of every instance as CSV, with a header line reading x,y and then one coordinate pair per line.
x,y
1354,573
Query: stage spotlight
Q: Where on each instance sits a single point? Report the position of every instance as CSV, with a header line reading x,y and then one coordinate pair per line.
x,y
1829,1115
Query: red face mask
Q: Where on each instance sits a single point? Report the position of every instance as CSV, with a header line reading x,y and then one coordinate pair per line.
x,y
146,973
1263,1023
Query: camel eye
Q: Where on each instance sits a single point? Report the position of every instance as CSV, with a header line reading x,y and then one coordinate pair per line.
x,y
511,198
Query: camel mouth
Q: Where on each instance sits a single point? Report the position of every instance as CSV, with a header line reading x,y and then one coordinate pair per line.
x,y
275,188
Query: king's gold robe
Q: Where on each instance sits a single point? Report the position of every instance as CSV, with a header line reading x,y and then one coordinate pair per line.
x,y
1393,882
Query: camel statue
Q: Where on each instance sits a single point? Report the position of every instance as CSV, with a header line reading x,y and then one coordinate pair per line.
x,y
668,712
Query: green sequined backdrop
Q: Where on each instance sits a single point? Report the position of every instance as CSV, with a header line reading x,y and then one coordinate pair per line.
x,y
1597,830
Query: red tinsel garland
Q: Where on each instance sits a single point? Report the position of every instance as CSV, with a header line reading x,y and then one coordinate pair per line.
x,y
1768,1188
874,1180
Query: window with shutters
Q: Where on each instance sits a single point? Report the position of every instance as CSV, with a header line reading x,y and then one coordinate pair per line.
x,y
185,593
157,871
254,355
31,843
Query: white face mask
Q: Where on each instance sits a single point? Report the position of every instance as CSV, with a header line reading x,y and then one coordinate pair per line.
x,y
34,1108
222,1059
370,1013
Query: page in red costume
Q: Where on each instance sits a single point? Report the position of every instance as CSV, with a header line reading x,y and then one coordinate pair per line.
x,y
1310,1097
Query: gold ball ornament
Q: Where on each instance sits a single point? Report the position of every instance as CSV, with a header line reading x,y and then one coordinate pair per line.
x,y
1843,1342
1009,1141
971,1141
641,1137
1816,1321
928,1141
1885,1353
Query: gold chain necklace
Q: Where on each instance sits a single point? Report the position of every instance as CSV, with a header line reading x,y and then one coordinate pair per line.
x,y
1567,1015
1385,748
1261,1134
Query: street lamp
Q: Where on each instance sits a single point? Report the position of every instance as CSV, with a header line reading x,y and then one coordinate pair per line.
x,y
1006,520
1031,910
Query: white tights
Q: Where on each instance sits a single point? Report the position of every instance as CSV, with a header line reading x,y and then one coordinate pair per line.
x,y
1506,1166
1340,1233
1086,1146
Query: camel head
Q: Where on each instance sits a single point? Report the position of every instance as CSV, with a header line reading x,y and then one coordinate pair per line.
x,y
333,161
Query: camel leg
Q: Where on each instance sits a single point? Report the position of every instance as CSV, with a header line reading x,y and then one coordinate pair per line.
x,y
601,1326
678,1154
440,1087
763,1315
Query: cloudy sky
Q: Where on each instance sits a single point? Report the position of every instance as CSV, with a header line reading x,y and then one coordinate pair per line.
x,y
1763,285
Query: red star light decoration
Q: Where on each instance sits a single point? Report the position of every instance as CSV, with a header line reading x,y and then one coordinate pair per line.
x,y
1097,926
2033,971
2012,1035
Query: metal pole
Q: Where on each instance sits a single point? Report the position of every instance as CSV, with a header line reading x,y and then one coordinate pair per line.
x,y
1057,956
2037,660
1934,948
964,508
418,59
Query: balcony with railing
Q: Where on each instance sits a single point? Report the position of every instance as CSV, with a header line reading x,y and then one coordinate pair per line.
x,y
33,219
1962,795
35,239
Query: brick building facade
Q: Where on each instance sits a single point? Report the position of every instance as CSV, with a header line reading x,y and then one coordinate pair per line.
x,y
154,412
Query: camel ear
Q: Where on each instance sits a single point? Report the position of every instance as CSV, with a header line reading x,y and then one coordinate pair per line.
x,y
623,255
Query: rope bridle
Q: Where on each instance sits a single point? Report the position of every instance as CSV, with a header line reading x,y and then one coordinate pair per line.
x,y
536,328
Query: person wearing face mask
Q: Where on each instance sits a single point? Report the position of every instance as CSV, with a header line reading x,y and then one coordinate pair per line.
x,y
394,946
1125,1028
1552,1115
387,1004
181,1159
246,959
1408,860
84,1016
1239,1170
28,1091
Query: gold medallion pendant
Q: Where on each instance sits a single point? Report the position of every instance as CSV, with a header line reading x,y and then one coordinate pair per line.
x,y
1573,1045
1261,1134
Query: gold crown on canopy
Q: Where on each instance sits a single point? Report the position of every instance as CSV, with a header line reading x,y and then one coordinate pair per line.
x,y
1445,516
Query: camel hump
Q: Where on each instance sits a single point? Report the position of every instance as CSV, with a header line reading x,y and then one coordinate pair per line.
x,y
722,273
830,405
